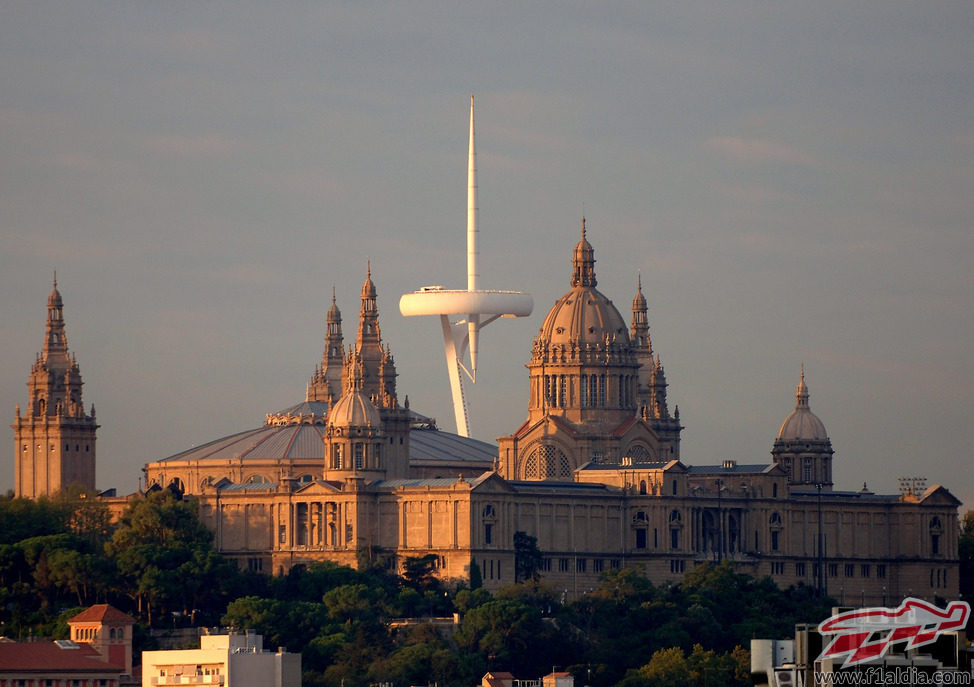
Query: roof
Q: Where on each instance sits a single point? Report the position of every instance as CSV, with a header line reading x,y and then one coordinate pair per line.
x,y
735,469
297,441
549,485
51,657
102,613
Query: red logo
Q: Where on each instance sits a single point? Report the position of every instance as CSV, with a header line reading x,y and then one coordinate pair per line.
x,y
914,621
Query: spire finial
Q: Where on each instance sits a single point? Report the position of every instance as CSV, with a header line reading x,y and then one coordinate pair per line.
x,y
333,294
55,279
583,226
368,268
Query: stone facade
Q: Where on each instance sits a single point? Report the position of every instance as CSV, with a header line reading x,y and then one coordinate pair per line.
x,y
352,475
54,441
594,473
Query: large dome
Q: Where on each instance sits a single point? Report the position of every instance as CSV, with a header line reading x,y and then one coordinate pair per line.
x,y
802,424
583,315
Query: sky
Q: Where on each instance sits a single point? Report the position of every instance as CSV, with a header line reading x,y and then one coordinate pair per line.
x,y
792,182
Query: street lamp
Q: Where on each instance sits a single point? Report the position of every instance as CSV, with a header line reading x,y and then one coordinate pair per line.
x,y
720,523
821,568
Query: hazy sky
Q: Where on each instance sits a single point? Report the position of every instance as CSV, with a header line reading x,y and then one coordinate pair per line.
x,y
793,181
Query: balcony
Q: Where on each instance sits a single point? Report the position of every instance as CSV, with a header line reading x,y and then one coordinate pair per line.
x,y
166,680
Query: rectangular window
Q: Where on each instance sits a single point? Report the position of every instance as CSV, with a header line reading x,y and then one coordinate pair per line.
x,y
598,565
864,570
833,569
850,570
774,541
546,565
615,564
640,538
488,534
881,570
677,566
282,534
563,565
359,456
799,570
581,564
777,568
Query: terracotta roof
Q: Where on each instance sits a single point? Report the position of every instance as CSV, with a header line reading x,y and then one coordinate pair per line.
x,y
49,657
102,613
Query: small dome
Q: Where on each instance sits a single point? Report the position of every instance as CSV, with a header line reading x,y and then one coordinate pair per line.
x,y
54,300
639,301
334,314
354,409
802,424
368,288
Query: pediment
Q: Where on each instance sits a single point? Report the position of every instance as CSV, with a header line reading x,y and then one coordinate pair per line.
x,y
938,495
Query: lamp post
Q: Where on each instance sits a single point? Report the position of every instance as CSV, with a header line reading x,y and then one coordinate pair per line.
x,y
821,569
720,523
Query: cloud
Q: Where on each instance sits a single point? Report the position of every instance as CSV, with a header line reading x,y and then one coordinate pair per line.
x,y
758,151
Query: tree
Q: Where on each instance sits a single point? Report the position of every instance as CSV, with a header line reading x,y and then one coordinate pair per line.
x,y
419,572
966,554
528,559
165,556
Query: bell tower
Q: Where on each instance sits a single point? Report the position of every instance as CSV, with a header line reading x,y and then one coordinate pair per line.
x,y
54,441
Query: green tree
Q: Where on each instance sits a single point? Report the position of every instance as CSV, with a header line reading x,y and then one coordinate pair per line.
x,y
165,556
966,554
528,559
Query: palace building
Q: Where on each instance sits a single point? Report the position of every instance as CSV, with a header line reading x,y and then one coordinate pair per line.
x,y
353,475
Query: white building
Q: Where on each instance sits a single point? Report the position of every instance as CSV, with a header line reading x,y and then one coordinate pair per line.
x,y
232,660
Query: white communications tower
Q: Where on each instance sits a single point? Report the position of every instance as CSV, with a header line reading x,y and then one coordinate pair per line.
x,y
480,308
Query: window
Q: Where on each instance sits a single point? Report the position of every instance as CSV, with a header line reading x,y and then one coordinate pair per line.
x,y
881,570
282,534
581,564
641,538
598,565
799,570
677,566
833,569
807,470
336,457
563,565
774,540
850,570
488,533
864,570
936,529
615,564
675,525
359,456
777,568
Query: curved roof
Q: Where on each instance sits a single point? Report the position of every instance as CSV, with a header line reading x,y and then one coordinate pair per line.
x,y
583,315
301,439
802,424
354,409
